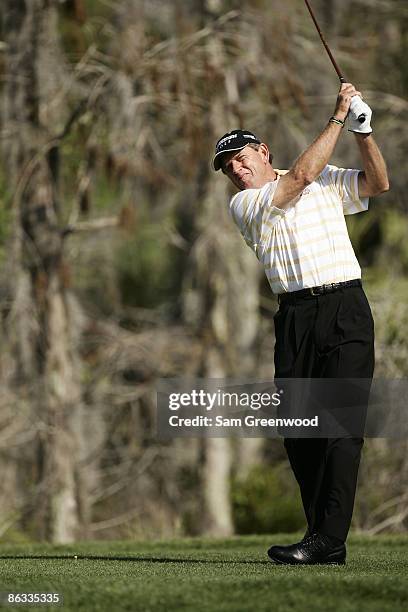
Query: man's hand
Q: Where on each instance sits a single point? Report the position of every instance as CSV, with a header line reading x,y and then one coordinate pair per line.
x,y
346,93
358,108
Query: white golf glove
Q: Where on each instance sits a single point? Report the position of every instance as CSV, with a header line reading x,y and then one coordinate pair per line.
x,y
358,108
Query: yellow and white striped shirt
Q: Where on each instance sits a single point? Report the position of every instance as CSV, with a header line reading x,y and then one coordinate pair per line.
x,y
307,244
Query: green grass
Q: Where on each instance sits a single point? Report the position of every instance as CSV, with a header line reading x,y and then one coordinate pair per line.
x,y
216,575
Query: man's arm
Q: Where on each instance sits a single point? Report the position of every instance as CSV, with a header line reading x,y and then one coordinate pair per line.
x,y
311,162
373,180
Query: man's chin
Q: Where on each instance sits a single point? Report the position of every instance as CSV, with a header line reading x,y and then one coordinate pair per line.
x,y
245,185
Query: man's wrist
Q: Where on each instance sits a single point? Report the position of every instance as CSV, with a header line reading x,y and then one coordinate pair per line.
x,y
334,119
362,136
342,116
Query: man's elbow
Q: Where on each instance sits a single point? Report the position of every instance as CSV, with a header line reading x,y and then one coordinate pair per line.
x,y
303,178
375,189
385,187
382,188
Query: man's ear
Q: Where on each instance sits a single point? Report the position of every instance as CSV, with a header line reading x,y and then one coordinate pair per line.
x,y
263,148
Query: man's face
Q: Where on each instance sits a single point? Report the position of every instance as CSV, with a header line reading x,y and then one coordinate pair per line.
x,y
246,168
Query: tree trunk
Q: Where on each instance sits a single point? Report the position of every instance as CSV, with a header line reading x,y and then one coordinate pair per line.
x,y
45,357
221,290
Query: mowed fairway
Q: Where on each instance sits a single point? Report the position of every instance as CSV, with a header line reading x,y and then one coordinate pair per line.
x,y
216,575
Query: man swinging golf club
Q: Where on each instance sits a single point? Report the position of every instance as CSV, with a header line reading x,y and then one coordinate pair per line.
x,y
294,222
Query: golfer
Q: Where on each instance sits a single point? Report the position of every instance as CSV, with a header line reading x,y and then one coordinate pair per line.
x,y
294,222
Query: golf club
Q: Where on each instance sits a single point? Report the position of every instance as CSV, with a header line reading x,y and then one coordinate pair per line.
x,y
362,117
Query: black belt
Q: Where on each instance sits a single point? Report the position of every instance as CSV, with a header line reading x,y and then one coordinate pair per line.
x,y
314,291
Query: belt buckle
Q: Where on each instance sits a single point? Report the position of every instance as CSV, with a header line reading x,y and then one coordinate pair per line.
x,y
312,292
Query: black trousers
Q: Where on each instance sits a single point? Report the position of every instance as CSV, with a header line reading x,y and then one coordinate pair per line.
x,y
325,336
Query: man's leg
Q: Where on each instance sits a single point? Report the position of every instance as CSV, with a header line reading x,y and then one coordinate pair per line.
x,y
334,506
306,457
295,356
345,340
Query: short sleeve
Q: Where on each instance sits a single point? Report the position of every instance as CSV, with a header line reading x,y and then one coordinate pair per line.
x,y
252,209
345,182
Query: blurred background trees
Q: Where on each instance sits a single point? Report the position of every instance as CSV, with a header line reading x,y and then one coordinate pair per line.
x,y
120,264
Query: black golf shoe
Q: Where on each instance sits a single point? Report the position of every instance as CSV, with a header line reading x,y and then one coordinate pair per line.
x,y
306,535
314,549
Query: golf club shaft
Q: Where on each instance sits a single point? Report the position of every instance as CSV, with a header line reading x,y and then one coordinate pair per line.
x,y
326,46
361,117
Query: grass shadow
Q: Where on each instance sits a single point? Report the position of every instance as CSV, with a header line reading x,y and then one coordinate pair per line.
x,y
124,558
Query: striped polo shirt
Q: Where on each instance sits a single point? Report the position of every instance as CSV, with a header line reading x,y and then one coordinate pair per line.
x,y
307,243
